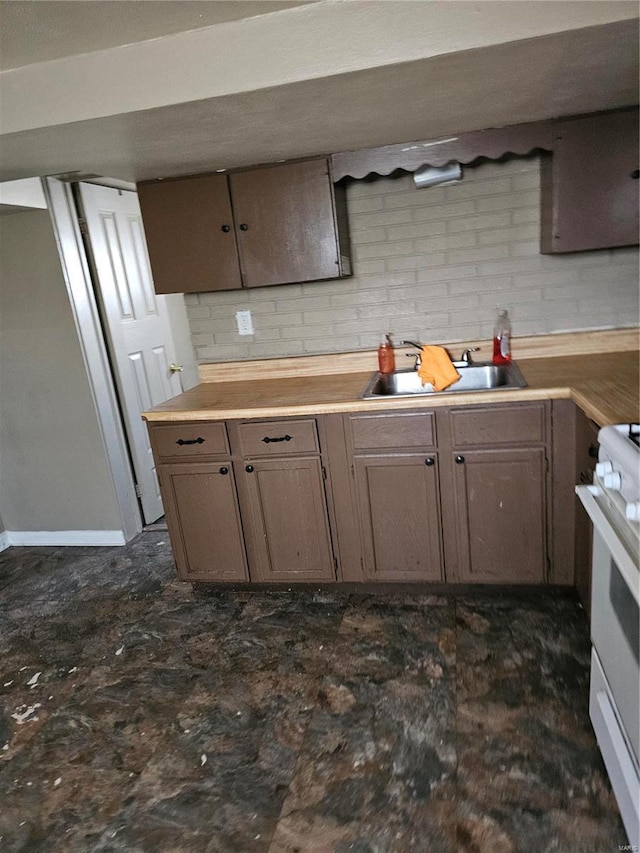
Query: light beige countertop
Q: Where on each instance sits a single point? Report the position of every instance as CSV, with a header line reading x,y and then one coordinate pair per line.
x,y
605,385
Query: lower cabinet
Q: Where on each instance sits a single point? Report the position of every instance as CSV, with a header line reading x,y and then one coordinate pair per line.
x,y
399,511
286,521
203,518
467,494
500,515
245,501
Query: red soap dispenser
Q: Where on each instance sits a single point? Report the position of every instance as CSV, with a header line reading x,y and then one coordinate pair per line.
x,y
386,356
502,338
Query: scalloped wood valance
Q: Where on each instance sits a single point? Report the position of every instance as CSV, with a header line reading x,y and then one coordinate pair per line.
x,y
520,139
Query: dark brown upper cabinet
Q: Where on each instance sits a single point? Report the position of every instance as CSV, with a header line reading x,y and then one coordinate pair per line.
x,y
264,226
590,184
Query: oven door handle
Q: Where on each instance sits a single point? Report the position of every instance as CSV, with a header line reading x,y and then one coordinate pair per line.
x,y
625,562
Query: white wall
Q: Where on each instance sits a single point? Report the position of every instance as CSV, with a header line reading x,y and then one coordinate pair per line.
x,y
431,264
53,470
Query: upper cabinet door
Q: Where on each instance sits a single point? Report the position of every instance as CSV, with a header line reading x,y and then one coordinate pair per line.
x,y
589,184
190,234
286,223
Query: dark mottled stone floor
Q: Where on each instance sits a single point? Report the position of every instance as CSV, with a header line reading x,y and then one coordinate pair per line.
x,y
139,716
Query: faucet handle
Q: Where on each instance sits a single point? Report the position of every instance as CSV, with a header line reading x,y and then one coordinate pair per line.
x,y
416,356
466,355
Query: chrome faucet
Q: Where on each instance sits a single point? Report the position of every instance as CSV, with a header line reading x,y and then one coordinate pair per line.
x,y
417,356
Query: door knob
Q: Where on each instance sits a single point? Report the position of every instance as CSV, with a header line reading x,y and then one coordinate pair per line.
x,y
176,368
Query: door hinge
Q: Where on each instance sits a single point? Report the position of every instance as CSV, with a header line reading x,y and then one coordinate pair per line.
x,y
82,224
324,473
548,569
546,464
138,490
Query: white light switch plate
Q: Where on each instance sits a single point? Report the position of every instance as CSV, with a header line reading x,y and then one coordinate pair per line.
x,y
244,322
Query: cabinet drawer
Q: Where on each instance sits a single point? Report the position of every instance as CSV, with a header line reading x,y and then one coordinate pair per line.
x,y
377,432
179,441
517,424
278,438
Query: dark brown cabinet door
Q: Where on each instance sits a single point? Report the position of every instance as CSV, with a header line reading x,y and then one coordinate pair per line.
x,y
190,234
400,517
500,515
286,521
285,220
589,184
204,521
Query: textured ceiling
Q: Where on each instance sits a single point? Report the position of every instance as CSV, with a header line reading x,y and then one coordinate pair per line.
x,y
309,81
37,31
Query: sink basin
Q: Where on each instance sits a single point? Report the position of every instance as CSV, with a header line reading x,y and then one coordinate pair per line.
x,y
481,376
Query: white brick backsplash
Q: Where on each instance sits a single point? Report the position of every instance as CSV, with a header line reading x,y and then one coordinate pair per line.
x,y
201,340
446,273
358,297
198,312
303,303
526,181
375,265
427,290
383,250
509,235
365,205
419,229
374,220
479,221
500,202
412,198
416,262
443,211
458,256
473,189
488,285
527,214
371,235
430,264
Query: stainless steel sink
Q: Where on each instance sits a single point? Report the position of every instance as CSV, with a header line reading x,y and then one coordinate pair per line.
x,y
481,376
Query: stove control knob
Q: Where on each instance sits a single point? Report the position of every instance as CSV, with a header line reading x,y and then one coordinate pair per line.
x,y
613,481
632,511
603,468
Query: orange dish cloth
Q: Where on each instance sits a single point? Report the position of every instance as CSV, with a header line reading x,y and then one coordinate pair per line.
x,y
436,368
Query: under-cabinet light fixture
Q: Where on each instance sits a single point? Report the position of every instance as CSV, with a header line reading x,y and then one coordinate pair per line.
x,y
429,176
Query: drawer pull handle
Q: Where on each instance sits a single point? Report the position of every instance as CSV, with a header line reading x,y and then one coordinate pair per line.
x,y
224,471
268,440
460,460
429,461
249,469
182,441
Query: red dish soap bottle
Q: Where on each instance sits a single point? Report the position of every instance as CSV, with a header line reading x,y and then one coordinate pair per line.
x,y
502,338
386,356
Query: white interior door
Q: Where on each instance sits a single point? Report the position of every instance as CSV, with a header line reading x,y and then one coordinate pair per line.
x,y
138,328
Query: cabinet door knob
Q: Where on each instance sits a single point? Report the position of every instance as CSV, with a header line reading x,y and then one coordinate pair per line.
x,y
226,228
244,226
249,469
635,174
593,451
429,461
460,460
224,471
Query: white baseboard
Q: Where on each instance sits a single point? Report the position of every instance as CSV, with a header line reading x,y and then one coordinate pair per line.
x,y
4,541
62,537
